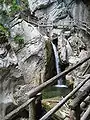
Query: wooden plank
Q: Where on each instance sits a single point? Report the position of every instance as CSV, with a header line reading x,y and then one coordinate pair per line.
x,y
62,102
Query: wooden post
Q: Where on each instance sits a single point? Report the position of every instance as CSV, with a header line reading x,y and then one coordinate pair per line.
x,y
32,107
32,112
77,112
75,105
85,102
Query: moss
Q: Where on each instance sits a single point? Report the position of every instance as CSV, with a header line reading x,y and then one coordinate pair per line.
x,y
50,69
3,34
19,40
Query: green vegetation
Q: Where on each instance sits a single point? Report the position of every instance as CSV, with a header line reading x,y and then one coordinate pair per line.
x,y
8,9
19,40
4,30
3,34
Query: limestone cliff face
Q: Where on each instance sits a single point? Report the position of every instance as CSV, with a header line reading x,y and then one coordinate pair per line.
x,y
31,55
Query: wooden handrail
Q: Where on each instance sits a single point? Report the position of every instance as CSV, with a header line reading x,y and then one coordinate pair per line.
x,y
39,88
62,102
17,110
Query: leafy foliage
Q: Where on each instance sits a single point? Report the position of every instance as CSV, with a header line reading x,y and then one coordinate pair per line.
x,y
3,34
4,30
8,8
15,7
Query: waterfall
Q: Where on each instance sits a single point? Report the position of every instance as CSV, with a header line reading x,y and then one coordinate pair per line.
x,y
58,69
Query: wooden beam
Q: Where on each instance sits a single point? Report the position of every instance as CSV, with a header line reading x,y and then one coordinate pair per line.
x,y
62,102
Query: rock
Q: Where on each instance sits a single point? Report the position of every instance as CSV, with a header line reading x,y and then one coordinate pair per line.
x,y
10,77
70,81
31,56
20,95
50,71
39,4
82,55
29,63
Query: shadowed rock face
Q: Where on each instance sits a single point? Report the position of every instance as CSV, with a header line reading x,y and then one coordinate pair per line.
x,y
10,75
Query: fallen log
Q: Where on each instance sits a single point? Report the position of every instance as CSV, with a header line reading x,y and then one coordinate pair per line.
x,y
86,115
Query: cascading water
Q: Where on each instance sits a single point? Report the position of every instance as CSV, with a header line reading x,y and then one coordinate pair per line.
x,y
60,81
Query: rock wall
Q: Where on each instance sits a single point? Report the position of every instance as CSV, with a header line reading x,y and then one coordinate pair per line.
x,y
31,55
10,74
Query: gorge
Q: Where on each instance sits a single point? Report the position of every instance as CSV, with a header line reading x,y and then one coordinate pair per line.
x,y
28,58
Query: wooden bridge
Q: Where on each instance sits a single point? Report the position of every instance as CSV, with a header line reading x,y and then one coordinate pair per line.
x,y
76,106
67,24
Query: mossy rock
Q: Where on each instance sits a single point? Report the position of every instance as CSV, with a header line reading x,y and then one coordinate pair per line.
x,y
50,69
19,40
3,34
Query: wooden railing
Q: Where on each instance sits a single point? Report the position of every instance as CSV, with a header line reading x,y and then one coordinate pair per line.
x,y
33,94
